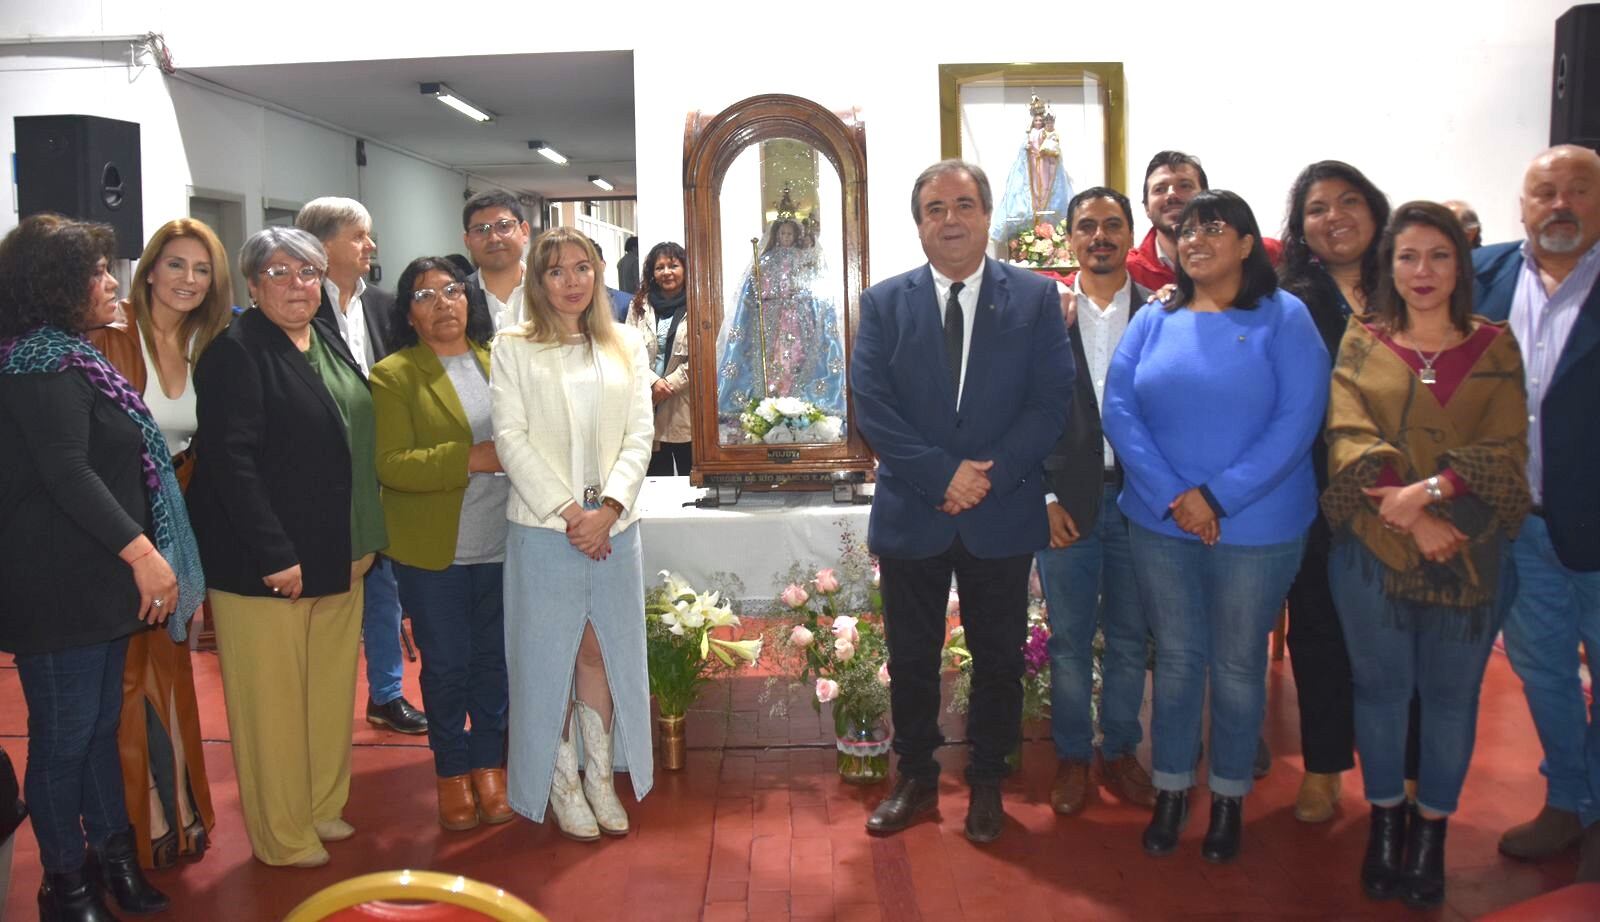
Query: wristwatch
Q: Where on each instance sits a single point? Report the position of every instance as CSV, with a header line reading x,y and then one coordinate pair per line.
x,y
613,505
1435,492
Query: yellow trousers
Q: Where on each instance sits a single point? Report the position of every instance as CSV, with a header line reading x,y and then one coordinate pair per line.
x,y
289,678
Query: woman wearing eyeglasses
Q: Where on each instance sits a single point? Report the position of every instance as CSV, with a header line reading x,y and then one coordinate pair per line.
x,y
285,505
1211,404
444,499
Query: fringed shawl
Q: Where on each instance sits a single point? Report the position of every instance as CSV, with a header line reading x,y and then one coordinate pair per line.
x,y
1380,414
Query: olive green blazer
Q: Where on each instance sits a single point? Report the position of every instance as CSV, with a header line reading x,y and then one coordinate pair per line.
x,y
423,440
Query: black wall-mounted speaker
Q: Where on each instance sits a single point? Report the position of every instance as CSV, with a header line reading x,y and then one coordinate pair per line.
x,y
84,167
1575,89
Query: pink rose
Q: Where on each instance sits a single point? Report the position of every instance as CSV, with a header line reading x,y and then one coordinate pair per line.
x,y
883,675
793,596
844,626
800,636
827,690
1044,231
827,581
844,649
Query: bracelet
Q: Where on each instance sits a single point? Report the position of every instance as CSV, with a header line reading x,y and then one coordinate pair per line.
x,y
613,505
147,553
1435,492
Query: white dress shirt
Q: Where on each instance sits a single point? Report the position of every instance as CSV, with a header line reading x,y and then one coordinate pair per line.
x,y
1101,328
968,299
353,323
507,313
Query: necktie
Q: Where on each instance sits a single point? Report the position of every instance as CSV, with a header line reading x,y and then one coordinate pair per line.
x,y
952,338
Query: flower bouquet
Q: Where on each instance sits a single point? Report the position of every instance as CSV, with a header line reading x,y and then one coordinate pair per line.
x,y
780,420
683,656
842,659
1043,246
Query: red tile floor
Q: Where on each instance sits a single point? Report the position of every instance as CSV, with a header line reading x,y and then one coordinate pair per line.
x,y
759,827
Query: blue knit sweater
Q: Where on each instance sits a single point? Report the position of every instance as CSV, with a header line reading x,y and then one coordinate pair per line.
x,y
1228,401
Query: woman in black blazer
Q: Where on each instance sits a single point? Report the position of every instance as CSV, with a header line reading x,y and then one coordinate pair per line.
x,y
94,544
285,505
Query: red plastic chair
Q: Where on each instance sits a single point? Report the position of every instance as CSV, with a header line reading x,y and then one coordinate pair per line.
x,y
428,896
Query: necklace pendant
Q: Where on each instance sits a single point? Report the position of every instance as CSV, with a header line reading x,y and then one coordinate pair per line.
x,y
1428,376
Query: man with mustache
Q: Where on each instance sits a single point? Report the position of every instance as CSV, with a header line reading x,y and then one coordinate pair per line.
x,y
1546,286
1087,570
496,234
1171,179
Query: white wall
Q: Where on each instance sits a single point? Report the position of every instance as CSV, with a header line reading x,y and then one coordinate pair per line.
x,y
1431,100
192,138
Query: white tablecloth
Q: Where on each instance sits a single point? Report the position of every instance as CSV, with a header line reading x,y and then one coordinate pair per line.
x,y
756,542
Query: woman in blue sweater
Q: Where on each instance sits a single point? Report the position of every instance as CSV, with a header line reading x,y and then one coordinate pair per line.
x,y
1211,404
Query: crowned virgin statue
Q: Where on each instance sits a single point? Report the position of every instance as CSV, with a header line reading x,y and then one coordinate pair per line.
x,y
784,340
1037,188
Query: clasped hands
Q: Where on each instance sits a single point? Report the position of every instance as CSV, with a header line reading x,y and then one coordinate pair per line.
x,y
1195,516
1402,510
968,487
589,530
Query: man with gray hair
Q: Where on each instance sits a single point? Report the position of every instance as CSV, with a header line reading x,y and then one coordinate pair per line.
x,y
962,381
1546,286
361,314
1469,221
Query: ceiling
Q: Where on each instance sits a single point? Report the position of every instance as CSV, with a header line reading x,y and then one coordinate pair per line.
x,y
580,103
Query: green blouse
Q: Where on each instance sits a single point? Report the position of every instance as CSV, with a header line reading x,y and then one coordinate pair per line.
x,y
367,534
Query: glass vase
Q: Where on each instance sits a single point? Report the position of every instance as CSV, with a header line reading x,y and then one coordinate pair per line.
x,y
863,745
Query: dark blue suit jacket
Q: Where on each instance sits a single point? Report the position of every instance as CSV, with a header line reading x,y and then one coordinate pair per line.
x,y
1013,408
1569,417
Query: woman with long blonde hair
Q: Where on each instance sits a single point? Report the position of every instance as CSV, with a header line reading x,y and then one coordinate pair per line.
x,y
181,298
573,426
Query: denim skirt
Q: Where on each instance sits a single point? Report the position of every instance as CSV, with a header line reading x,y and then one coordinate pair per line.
x,y
552,590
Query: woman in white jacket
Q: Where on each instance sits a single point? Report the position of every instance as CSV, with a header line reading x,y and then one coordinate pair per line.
x,y
573,427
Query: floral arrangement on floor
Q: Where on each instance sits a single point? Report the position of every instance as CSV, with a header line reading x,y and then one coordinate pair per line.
x,y
781,420
1042,246
1035,666
681,653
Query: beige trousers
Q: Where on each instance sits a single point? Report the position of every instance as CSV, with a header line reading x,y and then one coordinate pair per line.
x,y
289,677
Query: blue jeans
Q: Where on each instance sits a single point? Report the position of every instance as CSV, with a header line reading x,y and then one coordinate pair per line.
x,y
73,782
458,619
1554,609
1087,583
1436,659
1211,609
380,632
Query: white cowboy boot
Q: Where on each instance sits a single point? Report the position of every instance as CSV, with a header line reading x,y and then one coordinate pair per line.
x,y
573,816
602,794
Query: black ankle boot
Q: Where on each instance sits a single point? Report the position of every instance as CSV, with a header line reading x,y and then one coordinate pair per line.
x,y
1386,850
1221,843
118,863
1166,823
72,897
1423,880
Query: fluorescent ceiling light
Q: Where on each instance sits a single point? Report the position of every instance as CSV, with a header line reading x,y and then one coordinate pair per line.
x,y
602,183
547,152
455,101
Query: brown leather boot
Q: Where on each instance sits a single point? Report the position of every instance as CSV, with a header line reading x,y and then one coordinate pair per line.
x,y
456,809
1589,862
1319,794
1551,832
1128,780
1070,790
490,784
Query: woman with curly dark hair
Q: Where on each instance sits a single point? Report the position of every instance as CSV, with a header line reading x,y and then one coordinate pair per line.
x,y
1330,261
93,531
659,311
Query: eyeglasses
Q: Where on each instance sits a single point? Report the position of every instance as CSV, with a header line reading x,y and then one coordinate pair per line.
x,y
503,228
454,291
281,275
1210,229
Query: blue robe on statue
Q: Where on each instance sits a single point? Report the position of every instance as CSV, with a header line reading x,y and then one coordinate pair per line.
x,y
1015,212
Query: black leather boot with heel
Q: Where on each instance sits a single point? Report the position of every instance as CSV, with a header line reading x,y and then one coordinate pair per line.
x,y
117,862
1423,879
1386,851
72,897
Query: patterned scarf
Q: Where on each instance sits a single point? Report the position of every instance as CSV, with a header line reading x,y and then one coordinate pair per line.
x,y
51,349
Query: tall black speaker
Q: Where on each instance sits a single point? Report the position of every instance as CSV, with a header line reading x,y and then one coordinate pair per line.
x,y
1575,92
85,167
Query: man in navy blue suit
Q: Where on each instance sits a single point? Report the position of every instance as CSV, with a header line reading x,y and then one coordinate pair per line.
x,y
1549,288
962,379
